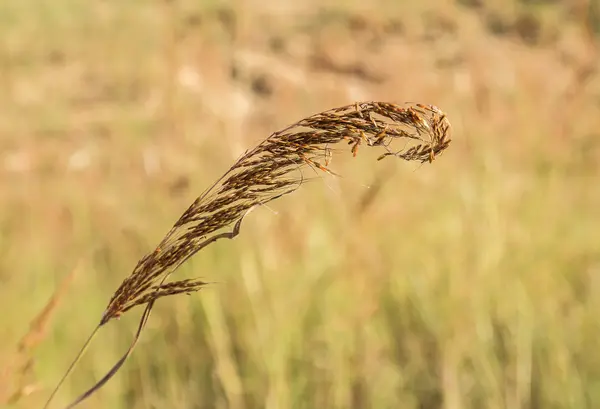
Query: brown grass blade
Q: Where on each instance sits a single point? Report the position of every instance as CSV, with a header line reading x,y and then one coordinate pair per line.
x,y
23,359
273,169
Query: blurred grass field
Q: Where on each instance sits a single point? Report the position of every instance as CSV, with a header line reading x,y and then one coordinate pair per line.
x,y
473,282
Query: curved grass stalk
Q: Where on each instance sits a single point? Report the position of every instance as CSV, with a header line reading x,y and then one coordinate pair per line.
x,y
272,169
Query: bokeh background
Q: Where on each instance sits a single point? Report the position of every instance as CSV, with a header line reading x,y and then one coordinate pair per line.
x,y
473,282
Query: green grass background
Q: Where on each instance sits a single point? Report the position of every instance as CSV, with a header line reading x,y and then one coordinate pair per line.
x,y
473,282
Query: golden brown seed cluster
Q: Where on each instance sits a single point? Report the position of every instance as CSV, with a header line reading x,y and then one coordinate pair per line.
x,y
271,170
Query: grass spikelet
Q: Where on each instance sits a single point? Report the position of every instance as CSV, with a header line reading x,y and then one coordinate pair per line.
x,y
272,169
23,362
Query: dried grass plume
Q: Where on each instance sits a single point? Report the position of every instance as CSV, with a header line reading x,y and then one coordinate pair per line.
x,y
272,169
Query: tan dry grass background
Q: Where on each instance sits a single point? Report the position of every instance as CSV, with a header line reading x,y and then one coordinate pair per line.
x,y
471,283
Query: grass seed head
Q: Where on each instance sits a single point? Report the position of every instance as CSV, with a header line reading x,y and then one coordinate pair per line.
x,y
274,168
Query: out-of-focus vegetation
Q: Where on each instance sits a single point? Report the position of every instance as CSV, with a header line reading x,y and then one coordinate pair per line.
x,y
469,283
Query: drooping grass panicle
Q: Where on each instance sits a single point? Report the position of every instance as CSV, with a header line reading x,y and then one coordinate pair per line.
x,y
273,169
